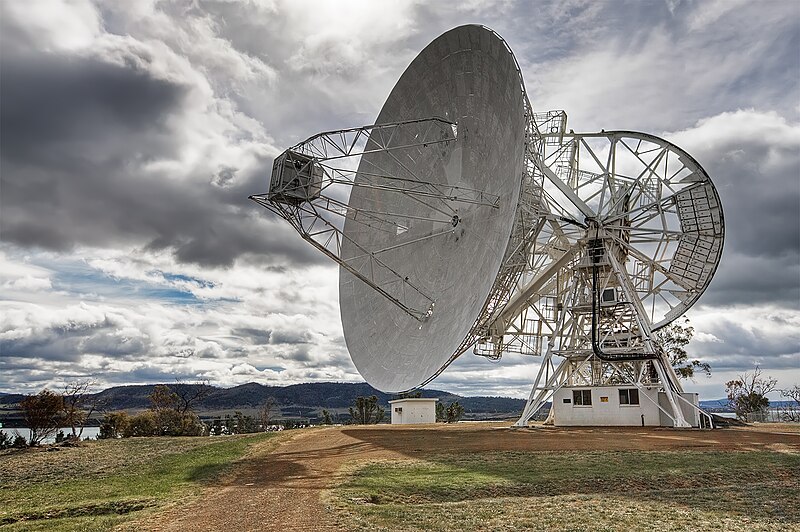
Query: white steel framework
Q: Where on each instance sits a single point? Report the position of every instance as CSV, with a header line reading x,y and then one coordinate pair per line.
x,y
314,199
629,235
615,235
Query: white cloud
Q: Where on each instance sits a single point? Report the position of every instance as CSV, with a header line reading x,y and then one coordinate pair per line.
x,y
726,131
28,283
58,24
709,12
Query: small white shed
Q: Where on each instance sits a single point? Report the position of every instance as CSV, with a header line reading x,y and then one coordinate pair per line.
x,y
413,410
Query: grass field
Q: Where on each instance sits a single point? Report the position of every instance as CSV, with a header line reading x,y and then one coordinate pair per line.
x,y
103,483
460,477
633,490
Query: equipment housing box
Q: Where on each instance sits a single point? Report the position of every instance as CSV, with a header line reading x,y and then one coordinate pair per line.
x,y
296,178
413,410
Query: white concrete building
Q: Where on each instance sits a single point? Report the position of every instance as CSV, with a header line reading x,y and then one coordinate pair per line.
x,y
617,406
413,410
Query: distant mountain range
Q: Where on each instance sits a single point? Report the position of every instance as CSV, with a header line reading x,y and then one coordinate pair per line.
x,y
296,400
300,400
721,405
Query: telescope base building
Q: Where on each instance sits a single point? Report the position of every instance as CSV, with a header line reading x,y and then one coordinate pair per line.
x,y
623,406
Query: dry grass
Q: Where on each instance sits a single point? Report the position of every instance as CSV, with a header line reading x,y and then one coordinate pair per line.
x,y
88,460
786,428
99,484
634,490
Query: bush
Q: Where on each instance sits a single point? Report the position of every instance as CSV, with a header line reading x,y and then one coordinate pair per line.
x,y
144,424
114,425
171,422
449,414
5,440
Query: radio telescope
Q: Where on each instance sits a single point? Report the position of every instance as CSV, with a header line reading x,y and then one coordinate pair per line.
x,y
463,220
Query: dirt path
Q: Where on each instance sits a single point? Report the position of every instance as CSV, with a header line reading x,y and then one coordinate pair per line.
x,y
277,491
281,490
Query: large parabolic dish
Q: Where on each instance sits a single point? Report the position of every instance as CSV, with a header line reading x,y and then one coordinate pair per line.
x,y
461,218
467,76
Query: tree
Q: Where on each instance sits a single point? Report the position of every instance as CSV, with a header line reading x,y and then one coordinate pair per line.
x,y
189,395
172,416
42,414
747,394
366,411
454,412
793,394
114,425
791,412
163,398
266,411
78,406
449,413
441,412
674,340
326,418
244,424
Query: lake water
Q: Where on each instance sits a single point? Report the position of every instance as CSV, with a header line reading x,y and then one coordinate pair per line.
x,y
88,432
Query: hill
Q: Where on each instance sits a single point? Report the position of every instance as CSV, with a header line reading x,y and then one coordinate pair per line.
x,y
296,400
722,405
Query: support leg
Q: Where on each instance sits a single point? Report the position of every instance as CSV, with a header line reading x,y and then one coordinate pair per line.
x,y
541,393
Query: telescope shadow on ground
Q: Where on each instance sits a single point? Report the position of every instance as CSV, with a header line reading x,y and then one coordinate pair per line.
x,y
724,476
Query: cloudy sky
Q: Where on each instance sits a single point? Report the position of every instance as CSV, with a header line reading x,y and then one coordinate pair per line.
x,y
131,134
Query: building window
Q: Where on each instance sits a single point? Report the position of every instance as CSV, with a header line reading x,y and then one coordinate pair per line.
x,y
582,397
603,399
567,400
629,397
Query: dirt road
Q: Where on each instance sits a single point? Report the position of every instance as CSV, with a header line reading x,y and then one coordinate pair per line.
x,y
280,490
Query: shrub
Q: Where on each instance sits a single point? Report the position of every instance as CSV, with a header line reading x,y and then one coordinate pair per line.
x,y
144,424
114,425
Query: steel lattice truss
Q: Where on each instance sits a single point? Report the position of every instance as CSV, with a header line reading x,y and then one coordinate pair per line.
x,y
657,214
321,172
658,219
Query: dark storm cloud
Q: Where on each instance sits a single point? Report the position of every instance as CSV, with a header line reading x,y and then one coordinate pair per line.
x,y
68,341
743,340
298,353
748,280
51,99
759,184
754,160
79,132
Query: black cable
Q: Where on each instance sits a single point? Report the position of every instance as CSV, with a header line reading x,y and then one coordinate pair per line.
x,y
593,246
